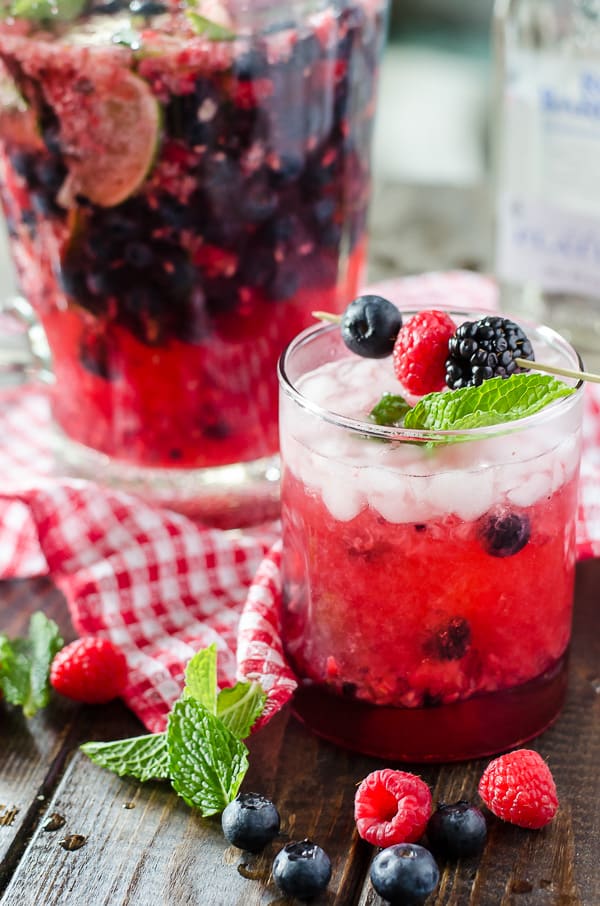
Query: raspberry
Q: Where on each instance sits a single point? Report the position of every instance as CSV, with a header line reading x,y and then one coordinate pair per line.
x,y
421,350
518,787
392,807
89,670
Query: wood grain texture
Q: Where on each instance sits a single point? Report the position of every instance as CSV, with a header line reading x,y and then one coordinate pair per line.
x,y
144,846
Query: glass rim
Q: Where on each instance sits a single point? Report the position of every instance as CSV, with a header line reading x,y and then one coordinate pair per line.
x,y
423,436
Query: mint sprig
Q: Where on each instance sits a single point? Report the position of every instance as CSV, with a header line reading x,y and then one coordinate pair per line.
x,y
495,402
201,752
206,761
25,664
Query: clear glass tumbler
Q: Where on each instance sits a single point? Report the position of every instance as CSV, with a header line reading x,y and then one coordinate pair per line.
x,y
427,583
182,184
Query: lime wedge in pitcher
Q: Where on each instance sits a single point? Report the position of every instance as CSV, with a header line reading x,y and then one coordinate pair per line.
x,y
111,143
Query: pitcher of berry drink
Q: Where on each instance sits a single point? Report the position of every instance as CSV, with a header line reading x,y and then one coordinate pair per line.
x,y
183,183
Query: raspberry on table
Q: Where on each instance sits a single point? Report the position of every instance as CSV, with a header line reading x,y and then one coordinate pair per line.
x,y
392,807
89,670
421,350
519,788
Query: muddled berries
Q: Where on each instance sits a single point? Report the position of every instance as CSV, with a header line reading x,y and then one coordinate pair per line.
x,y
392,807
404,874
302,869
457,830
504,532
421,349
370,325
483,349
451,642
519,788
250,822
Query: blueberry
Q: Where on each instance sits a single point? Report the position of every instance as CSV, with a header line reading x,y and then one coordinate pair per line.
x,y
50,173
504,532
138,254
302,869
370,325
457,830
452,641
95,355
250,822
250,65
405,874
24,165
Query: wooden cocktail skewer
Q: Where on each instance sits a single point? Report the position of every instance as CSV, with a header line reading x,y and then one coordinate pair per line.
x,y
529,364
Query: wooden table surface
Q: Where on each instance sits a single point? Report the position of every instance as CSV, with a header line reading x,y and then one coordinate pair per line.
x,y
145,846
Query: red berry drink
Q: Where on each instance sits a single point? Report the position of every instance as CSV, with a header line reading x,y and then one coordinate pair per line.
x,y
182,184
428,574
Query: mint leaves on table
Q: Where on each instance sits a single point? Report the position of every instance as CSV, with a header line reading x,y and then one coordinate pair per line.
x,y
201,752
494,402
142,757
25,664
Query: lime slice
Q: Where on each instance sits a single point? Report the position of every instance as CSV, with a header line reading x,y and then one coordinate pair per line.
x,y
111,139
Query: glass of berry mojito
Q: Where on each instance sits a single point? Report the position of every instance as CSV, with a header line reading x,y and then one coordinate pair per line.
x,y
428,504
182,181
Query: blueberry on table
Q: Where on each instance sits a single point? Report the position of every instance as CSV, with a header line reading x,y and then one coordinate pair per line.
x,y
457,830
302,869
404,874
370,325
250,822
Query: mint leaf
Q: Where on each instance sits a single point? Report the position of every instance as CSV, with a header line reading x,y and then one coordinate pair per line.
x,y
390,410
25,664
201,678
240,706
494,402
47,10
211,30
206,762
143,757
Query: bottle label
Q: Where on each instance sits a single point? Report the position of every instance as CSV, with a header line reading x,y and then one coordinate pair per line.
x,y
549,175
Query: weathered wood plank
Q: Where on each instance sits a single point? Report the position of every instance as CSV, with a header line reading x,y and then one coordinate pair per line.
x,y
160,851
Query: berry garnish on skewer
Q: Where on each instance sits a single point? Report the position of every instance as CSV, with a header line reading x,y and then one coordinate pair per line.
x,y
475,352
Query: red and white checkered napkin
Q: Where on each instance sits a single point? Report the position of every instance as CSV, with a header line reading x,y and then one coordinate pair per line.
x,y
162,587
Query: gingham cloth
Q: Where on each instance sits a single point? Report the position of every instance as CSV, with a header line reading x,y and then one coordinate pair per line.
x,y
159,585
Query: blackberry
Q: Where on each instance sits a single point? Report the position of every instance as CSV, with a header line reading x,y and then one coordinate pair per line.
x,y
483,349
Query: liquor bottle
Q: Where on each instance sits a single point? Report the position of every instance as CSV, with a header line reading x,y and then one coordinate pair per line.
x,y
547,149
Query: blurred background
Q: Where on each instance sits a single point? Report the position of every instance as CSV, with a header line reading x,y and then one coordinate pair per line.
x,y
431,150
431,208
